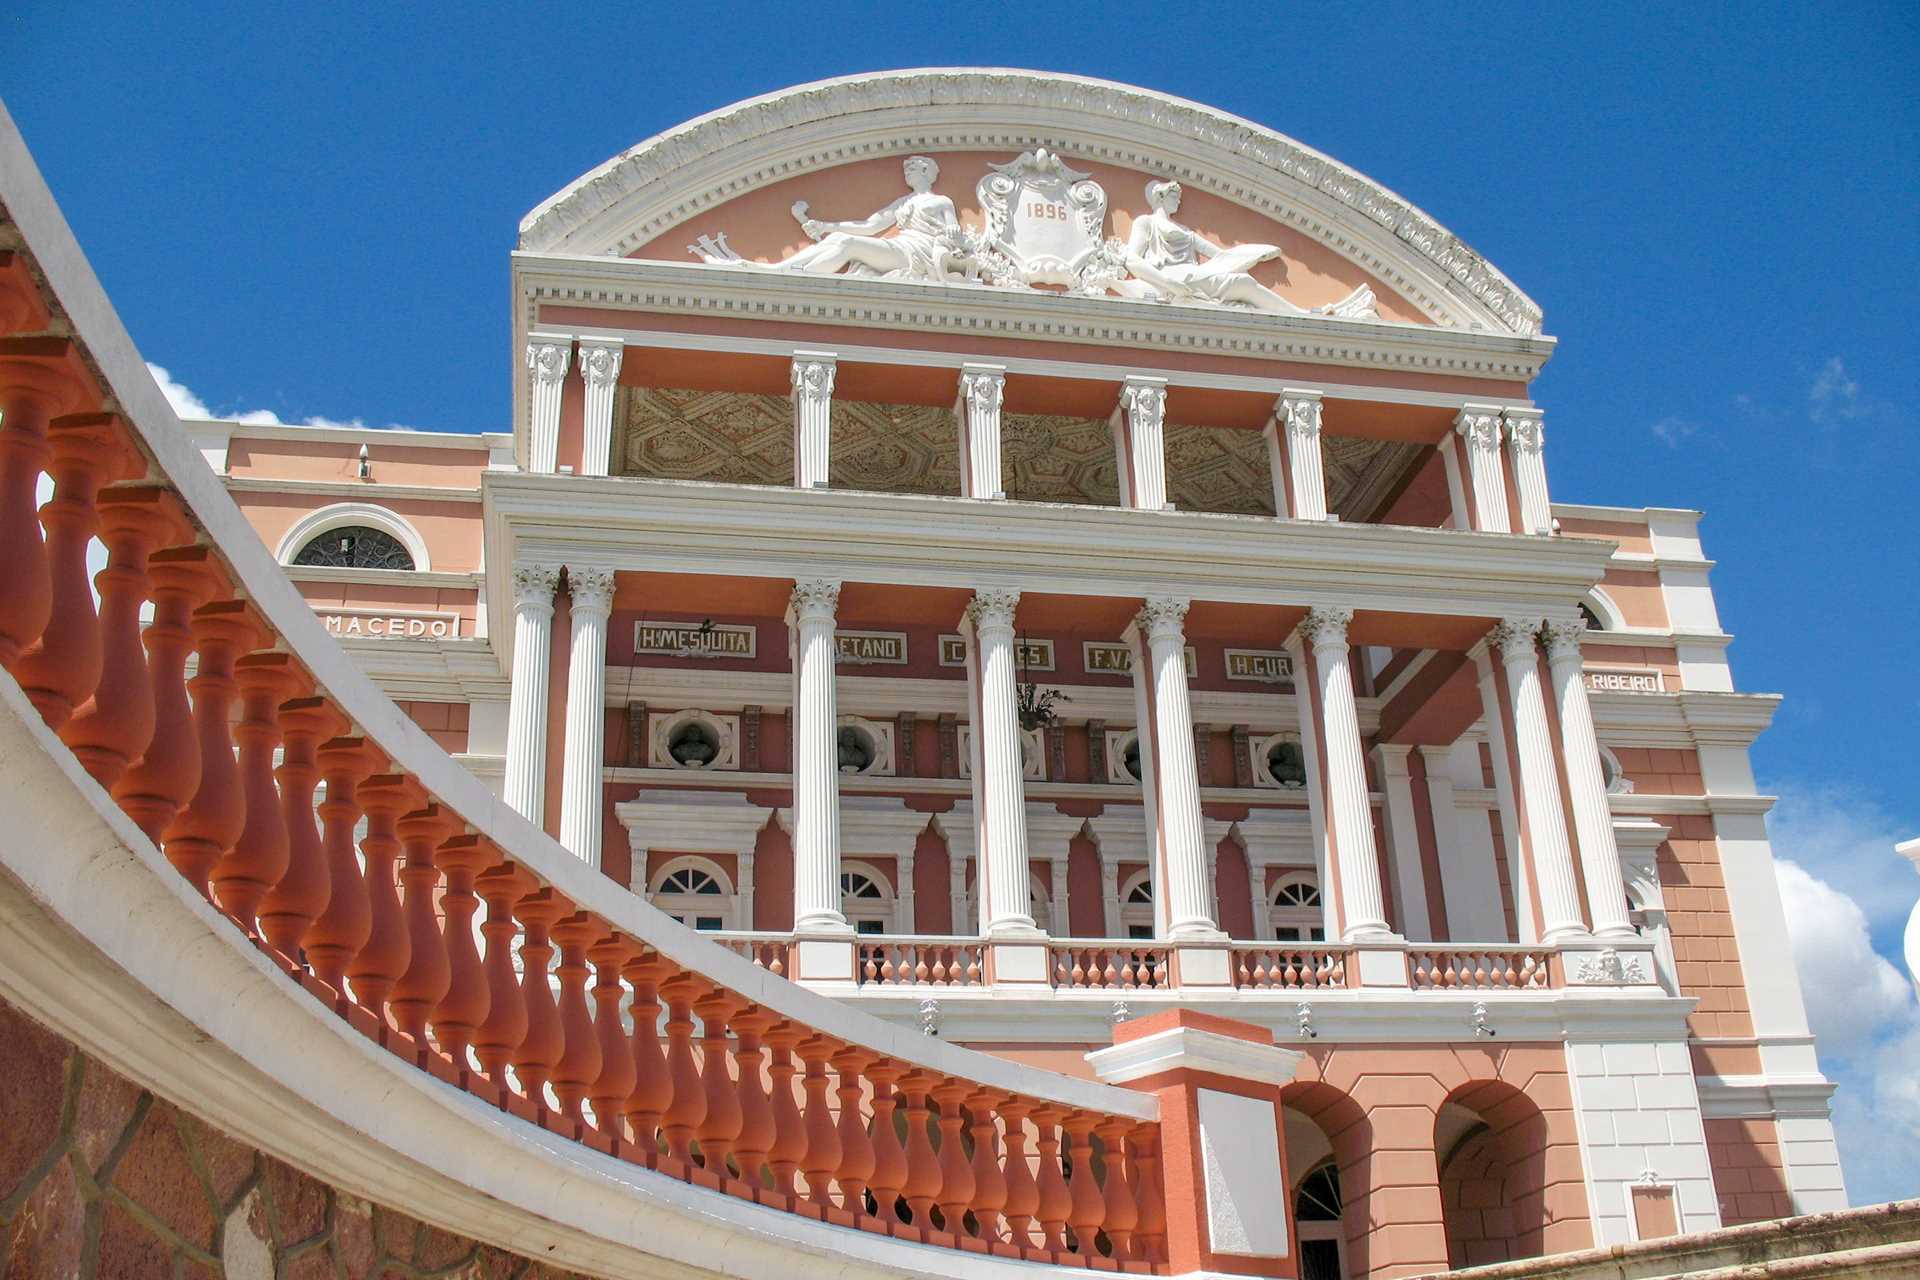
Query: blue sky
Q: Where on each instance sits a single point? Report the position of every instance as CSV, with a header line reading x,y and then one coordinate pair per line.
x,y
1718,208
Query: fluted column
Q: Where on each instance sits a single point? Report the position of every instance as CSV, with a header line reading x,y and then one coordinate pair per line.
x,y
1169,779
547,359
586,744
1293,456
982,389
1526,454
526,787
999,796
1478,429
1539,782
1586,784
816,777
812,417
1349,814
1139,443
600,370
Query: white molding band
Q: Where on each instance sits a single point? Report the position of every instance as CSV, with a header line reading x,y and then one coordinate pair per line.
x,y
1191,1049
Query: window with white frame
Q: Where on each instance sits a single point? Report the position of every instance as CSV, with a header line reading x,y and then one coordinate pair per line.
x,y
1296,912
1136,905
696,892
866,898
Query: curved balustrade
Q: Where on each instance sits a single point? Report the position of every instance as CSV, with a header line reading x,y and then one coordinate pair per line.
x,y
750,1086
1481,969
1264,967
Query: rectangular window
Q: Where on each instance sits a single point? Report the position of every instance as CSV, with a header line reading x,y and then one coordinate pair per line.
x,y
870,926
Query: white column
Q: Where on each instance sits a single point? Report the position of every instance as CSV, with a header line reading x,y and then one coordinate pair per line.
x,y
1506,793
812,417
999,794
1062,918
1332,921
744,888
816,776
1403,842
1139,443
1478,426
1586,784
547,358
1546,822
1110,895
1293,456
586,743
1349,812
526,787
1526,454
963,925
600,370
1176,834
1257,896
982,389
903,906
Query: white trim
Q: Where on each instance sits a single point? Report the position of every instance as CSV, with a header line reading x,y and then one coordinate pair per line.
x,y
1611,619
728,904
354,489
1189,1049
341,514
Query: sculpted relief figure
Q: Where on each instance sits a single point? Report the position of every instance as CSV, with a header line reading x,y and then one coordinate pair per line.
x,y
928,242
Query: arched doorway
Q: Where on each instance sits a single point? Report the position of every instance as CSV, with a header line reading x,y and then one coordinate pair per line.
x,y
1328,1139
1317,1218
1491,1143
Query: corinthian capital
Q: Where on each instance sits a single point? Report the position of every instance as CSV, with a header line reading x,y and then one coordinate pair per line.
x,y
1564,636
1525,429
983,390
1163,617
1326,628
534,584
993,609
599,365
547,359
813,380
1479,425
1299,413
592,588
1517,638
814,600
1145,403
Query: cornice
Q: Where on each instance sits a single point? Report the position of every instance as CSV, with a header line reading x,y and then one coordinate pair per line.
x,y
1684,718
667,179
405,437
981,311
469,581
361,489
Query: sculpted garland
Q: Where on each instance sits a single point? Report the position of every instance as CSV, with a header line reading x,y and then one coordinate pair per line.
x,y
1045,224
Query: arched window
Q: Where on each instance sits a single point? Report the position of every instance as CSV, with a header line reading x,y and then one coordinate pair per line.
x,y
695,892
1591,618
1316,1214
866,898
1136,905
1297,915
355,546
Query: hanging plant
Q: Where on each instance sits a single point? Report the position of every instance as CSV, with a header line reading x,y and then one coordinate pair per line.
x,y
1037,705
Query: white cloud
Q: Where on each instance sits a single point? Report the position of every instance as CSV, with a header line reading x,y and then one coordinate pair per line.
x,y
1835,395
188,405
1671,431
1843,836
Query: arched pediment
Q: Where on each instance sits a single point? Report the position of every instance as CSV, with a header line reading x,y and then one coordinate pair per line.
x,y
837,143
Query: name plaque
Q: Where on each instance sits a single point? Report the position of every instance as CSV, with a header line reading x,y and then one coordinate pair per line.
x,y
862,647
1028,655
692,640
390,624
1260,666
1117,659
1627,680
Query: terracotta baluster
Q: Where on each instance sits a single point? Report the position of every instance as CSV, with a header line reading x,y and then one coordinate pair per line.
x,y
1089,1205
1150,1236
501,1032
956,1173
579,1064
112,728
789,1126
652,1085
204,832
40,379
923,1165
423,983
720,1128
822,1160
165,775
1023,1193
1122,1214
259,856
540,1048
346,922
857,1158
388,948
889,1156
757,1131
614,1085
1056,1202
291,906
468,1000
689,1105
989,1182
59,671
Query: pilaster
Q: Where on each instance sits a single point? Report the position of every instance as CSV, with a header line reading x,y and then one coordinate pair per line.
x,y
1294,457
1139,443
1477,427
591,589
1403,841
1526,454
526,779
813,374
977,415
547,358
600,370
